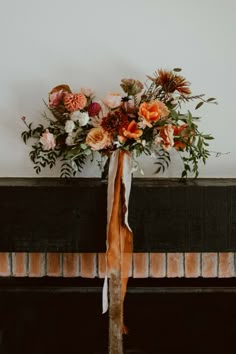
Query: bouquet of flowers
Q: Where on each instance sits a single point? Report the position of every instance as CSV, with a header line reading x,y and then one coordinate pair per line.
x,y
148,118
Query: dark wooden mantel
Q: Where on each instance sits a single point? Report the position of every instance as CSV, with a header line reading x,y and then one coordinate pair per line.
x,y
166,215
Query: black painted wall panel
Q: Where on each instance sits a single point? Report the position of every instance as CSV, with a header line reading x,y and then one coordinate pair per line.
x,y
58,215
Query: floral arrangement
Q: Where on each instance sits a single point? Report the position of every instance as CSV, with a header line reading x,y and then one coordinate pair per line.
x,y
148,118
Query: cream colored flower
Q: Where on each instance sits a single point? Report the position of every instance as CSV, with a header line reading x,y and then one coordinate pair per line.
x,y
86,91
69,140
81,117
69,126
112,100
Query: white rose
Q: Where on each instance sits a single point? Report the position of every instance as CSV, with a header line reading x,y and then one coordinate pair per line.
x,y
69,126
81,117
69,140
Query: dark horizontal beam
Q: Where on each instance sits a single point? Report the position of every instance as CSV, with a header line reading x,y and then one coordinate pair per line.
x,y
58,215
130,290
136,286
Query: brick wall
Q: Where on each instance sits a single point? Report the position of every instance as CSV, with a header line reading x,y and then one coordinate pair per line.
x,y
91,265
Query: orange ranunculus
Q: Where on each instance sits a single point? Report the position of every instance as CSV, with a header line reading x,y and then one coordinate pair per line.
x,y
167,136
152,111
182,132
179,145
149,112
130,132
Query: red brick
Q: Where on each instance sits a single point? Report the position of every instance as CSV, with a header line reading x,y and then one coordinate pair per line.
x,y
175,267
36,265
54,264
88,265
192,265
19,264
70,264
209,265
5,266
157,265
140,265
226,265
101,265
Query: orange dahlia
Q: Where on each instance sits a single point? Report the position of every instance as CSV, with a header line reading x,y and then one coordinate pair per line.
x,y
74,102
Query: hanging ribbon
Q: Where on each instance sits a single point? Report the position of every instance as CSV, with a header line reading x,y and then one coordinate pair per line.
x,y
119,238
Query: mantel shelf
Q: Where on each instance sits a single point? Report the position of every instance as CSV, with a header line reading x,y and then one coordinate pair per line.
x,y
69,215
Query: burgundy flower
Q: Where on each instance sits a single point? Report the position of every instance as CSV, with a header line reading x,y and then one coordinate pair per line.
x,y
114,122
93,109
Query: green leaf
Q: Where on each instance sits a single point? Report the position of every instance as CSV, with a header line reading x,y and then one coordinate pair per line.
x,y
158,170
174,114
87,152
24,137
37,169
211,99
208,137
74,165
177,69
199,105
187,168
83,146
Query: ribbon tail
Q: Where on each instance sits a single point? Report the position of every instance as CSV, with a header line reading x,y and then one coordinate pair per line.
x,y
126,235
119,238
105,296
113,166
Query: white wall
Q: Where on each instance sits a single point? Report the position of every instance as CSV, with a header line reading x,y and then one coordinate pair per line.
x,y
96,43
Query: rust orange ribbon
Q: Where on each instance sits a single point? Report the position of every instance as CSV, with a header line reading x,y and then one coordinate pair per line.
x,y
119,234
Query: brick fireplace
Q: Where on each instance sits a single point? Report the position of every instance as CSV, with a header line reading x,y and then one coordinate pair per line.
x,y
92,265
183,254
44,308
